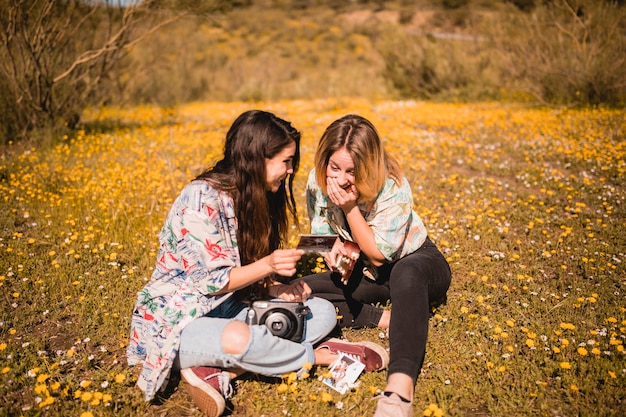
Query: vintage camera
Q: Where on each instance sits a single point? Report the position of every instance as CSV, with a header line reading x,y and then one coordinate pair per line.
x,y
283,318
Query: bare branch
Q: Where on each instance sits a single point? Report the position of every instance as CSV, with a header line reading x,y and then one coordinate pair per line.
x,y
112,45
54,56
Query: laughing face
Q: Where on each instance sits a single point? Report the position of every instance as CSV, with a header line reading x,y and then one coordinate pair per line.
x,y
341,168
278,167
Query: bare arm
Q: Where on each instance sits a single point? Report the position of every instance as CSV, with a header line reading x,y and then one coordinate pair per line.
x,y
281,262
364,236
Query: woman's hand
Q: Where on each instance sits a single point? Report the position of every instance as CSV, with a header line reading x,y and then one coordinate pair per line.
x,y
283,261
331,257
298,291
280,262
342,258
346,198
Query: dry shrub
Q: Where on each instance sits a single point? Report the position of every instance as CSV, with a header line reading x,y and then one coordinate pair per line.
x,y
566,52
56,58
266,54
438,66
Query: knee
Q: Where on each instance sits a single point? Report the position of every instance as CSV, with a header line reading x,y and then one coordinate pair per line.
x,y
321,307
323,311
235,337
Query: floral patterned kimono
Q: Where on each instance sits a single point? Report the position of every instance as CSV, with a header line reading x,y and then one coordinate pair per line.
x,y
198,248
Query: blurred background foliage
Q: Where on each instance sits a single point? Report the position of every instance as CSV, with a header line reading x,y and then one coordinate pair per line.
x,y
59,57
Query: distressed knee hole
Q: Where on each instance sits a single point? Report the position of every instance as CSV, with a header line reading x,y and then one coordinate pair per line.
x,y
235,337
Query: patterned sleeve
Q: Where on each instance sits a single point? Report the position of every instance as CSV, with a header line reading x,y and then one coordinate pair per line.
x,y
198,238
391,217
316,205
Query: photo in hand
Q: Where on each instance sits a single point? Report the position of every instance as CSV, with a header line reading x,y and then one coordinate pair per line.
x,y
317,243
344,264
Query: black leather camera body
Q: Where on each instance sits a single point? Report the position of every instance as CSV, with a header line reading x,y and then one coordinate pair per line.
x,y
283,318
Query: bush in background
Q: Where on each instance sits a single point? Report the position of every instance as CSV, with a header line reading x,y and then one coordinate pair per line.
x,y
254,54
54,56
566,52
66,56
560,52
555,52
57,57
442,67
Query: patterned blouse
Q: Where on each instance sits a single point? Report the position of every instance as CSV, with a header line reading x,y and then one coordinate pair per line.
x,y
198,248
398,230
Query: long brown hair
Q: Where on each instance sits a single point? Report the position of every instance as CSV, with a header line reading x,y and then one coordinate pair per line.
x,y
262,216
372,164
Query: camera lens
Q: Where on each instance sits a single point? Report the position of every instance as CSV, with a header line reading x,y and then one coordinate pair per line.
x,y
278,323
277,326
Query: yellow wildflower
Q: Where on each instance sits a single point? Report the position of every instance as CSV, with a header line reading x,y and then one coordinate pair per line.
x,y
40,389
42,377
46,402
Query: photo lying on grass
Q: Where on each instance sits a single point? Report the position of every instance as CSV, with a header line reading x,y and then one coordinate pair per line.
x,y
344,373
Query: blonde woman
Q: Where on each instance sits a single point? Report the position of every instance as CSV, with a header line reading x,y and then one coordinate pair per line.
x,y
357,191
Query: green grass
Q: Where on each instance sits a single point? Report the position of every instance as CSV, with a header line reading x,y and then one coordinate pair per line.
x,y
527,204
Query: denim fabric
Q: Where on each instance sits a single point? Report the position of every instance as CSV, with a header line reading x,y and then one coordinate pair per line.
x,y
266,354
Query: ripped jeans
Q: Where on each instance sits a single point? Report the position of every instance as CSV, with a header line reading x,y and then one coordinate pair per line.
x,y
266,354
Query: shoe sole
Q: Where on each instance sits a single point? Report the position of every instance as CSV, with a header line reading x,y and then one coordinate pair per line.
x,y
384,356
206,398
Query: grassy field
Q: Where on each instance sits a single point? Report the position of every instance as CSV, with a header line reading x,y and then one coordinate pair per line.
x,y
528,205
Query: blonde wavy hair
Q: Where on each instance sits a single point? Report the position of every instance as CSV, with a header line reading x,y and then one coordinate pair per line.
x,y
372,164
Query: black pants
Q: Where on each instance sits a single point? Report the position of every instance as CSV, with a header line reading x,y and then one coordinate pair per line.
x,y
413,284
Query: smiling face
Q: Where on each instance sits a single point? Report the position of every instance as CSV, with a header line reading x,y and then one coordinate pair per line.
x,y
278,167
341,167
